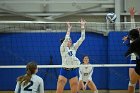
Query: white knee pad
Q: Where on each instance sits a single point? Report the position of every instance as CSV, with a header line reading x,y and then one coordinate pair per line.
x,y
96,91
132,85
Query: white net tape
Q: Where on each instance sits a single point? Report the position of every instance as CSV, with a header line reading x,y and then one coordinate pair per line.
x,y
72,66
100,27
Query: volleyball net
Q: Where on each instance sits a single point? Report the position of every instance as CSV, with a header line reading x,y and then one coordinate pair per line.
x,y
22,42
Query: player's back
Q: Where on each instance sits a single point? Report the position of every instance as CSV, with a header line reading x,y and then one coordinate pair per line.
x,y
35,85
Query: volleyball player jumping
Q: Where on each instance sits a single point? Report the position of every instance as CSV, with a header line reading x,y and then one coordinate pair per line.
x,y
30,82
68,54
126,38
134,35
134,48
85,78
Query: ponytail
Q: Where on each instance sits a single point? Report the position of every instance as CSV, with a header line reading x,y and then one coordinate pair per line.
x,y
30,69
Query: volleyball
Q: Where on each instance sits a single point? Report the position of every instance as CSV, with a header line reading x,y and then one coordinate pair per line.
x,y
111,17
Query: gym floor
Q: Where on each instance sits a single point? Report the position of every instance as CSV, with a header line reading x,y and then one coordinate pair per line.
x,y
88,91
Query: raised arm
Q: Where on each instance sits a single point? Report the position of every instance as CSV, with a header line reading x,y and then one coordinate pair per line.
x,y
133,26
132,18
41,87
67,37
82,38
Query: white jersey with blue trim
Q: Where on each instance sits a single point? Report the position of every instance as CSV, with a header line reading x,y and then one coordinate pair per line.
x,y
68,54
85,73
36,85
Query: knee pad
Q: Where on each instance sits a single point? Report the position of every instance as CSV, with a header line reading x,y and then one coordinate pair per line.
x,y
132,85
96,91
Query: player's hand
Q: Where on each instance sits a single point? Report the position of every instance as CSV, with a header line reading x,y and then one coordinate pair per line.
x,y
125,38
138,29
85,87
82,22
69,25
132,11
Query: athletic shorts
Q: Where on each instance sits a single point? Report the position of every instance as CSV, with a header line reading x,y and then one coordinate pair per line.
x,y
71,73
84,83
137,68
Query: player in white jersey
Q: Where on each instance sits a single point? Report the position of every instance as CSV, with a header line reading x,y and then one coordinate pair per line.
x,y
68,54
30,82
85,76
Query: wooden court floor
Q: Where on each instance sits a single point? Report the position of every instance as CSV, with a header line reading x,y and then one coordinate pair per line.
x,y
87,91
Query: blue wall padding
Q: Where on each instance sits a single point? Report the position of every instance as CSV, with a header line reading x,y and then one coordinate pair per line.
x,y
20,48
118,77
